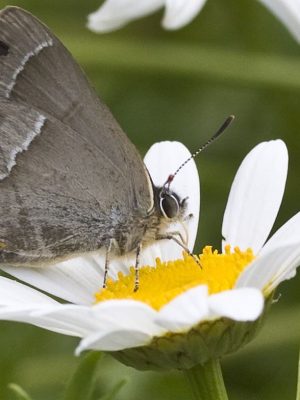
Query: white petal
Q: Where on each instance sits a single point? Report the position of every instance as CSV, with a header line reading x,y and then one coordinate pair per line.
x,y
271,268
240,304
75,280
289,233
113,341
106,316
180,12
288,12
18,313
255,196
13,293
126,314
114,14
186,310
28,313
80,320
162,160
21,303
24,314
124,324
120,264
110,323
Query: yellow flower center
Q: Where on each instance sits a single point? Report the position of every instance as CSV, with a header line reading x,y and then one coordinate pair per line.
x,y
167,280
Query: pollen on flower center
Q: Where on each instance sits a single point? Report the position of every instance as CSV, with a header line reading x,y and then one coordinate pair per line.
x,y
160,284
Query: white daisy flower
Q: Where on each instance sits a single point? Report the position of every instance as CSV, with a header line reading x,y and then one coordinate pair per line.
x,y
114,14
182,315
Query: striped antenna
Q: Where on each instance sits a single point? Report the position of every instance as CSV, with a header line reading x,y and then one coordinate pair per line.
x,y
219,132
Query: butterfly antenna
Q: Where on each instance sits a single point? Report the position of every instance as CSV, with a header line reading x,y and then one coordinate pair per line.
x,y
219,132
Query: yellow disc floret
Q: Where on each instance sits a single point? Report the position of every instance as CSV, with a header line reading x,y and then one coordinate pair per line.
x,y
160,284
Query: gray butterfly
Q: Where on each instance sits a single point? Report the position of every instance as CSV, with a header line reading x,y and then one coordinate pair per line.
x,y
71,182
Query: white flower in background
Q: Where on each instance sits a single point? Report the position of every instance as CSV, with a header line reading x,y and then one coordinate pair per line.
x,y
114,14
182,314
288,12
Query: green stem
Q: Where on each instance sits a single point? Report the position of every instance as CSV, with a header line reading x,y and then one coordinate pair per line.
x,y
207,382
298,383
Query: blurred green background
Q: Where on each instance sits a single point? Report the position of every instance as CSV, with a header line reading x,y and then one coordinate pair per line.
x,y
235,58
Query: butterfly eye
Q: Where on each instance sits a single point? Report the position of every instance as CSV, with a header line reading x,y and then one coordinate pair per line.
x,y
169,206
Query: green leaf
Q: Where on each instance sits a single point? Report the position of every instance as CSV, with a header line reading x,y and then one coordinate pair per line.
x,y
82,383
188,60
19,392
114,391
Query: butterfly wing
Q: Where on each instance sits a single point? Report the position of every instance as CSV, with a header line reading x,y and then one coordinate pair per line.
x,y
69,176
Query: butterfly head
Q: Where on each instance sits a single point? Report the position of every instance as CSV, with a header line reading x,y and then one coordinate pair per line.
x,y
171,206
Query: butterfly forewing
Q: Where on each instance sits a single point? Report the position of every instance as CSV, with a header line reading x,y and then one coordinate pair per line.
x,y
68,173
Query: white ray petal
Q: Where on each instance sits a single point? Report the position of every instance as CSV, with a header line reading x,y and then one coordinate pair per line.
x,y
287,234
108,315
114,14
119,314
21,303
255,196
120,264
114,341
124,324
269,270
288,12
180,12
68,317
245,304
99,321
29,314
13,293
75,280
186,310
162,160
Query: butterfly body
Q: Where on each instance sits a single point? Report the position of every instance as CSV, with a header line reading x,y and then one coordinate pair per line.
x,y
71,182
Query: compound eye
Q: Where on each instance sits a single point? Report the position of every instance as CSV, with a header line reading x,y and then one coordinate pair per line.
x,y
169,206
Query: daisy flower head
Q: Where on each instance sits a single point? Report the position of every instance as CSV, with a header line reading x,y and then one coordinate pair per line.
x,y
114,14
183,314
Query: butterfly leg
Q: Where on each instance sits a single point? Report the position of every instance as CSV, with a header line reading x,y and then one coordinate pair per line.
x,y
181,239
172,236
136,268
106,267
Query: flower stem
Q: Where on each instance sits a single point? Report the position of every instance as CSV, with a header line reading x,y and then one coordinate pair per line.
x,y
298,383
207,381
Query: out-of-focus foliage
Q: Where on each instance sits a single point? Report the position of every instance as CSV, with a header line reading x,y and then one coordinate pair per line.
x,y
234,58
